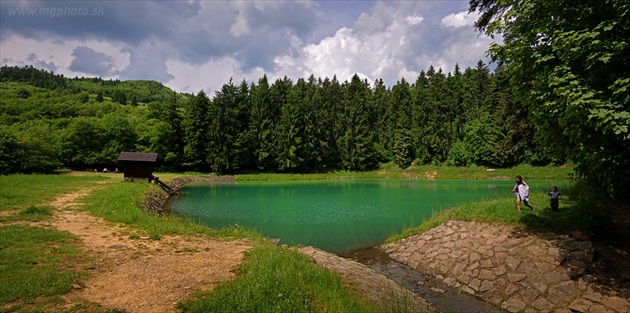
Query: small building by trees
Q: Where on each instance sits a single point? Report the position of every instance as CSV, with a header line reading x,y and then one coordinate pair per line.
x,y
138,166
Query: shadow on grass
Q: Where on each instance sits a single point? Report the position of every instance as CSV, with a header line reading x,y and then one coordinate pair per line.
x,y
570,217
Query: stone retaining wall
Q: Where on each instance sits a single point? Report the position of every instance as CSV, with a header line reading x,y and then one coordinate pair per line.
x,y
155,199
508,267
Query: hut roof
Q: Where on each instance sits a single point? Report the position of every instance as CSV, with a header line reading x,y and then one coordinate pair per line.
x,y
138,156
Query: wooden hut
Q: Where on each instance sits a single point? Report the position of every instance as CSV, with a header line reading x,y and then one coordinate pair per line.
x,y
138,166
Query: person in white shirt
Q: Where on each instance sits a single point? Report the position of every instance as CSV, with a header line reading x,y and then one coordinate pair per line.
x,y
521,191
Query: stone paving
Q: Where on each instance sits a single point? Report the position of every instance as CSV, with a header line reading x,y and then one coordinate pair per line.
x,y
510,268
376,286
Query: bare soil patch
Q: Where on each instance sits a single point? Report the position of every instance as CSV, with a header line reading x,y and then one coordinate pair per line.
x,y
134,273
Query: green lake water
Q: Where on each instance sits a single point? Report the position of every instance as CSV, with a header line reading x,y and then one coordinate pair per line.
x,y
333,215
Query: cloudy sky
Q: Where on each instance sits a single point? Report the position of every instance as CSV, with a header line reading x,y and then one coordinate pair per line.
x,y
194,45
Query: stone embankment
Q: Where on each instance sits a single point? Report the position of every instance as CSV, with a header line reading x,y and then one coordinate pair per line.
x,y
376,286
512,269
155,199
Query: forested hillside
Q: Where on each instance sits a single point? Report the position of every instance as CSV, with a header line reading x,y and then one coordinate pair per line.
x,y
460,118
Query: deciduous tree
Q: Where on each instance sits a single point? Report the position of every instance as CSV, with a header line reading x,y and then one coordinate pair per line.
x,y
568,62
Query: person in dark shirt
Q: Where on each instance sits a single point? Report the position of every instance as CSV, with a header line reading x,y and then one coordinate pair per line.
x,y
554,198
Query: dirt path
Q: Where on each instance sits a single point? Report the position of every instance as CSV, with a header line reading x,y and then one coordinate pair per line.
x,y
133,273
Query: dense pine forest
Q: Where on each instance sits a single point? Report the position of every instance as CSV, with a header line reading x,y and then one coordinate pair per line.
x,y
313,125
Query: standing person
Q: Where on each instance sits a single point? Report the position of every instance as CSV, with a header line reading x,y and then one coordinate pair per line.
x,y
521,191
554,198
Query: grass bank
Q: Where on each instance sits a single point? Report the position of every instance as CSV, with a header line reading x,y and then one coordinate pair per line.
x,y
390,171
121,202
274,279
575,213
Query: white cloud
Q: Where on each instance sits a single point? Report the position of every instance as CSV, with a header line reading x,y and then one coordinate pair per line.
x,y
374,48
377,20
342,54
461,19
414,20
240,26
148,61
209,76
466,52
388,43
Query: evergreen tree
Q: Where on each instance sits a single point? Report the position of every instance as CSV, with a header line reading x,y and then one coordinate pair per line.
x,y
381,129
356,144
168,140
290,129
320,141
173,117
511,136
262,125
332,105
313,141
473,117
467,117
403,149
457,119
223,129
197,132
390,123
279,93
420,114
434,138
32,76
474,84
241,146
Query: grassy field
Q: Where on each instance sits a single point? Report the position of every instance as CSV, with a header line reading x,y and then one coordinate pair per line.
x,y
39,265
22,191
36,264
